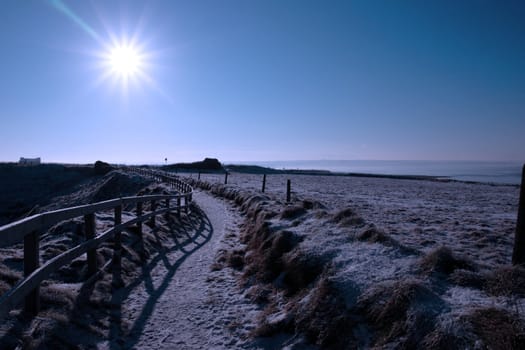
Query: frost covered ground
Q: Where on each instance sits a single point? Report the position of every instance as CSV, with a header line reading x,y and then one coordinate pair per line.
x,y
406,263
192,304
475,219
350,263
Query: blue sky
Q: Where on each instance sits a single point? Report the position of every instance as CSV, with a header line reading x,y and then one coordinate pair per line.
x,y
264,80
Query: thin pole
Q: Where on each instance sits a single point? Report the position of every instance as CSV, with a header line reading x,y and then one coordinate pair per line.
x,y
288,190
264,183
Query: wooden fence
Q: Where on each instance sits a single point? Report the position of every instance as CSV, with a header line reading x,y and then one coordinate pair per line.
x,y
28,230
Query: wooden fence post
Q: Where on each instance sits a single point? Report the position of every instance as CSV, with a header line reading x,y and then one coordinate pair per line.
x,y
199,176
518,254
226,178
139,224
178,207
264,183
167,202
288,190
31,263
89,226
153,207
118,236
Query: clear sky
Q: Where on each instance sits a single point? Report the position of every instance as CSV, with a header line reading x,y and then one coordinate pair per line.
x,y
262,80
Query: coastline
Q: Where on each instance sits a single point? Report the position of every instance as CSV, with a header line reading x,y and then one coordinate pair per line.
x,y
254,169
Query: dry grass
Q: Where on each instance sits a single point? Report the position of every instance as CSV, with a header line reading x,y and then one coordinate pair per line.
x,y
8,275
401,311
273,321
8,278
292,212
348,217
260,293
325,319
439,339
507,280
504,281
220,260
373,235
267,249
235,259
57,297
467,278
313,204
497,328
301,269
443,262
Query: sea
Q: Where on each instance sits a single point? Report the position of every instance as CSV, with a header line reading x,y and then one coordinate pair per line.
x,y
478,171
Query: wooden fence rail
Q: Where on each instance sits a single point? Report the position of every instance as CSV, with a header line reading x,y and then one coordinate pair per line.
x,y
27,231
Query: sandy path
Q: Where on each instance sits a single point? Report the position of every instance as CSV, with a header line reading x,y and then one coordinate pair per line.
x,y
182,304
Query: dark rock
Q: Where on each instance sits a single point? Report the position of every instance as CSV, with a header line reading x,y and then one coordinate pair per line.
x,y
208,164
102,168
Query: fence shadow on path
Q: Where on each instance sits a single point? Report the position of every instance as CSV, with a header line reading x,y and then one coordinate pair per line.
x,y
181,238
188,235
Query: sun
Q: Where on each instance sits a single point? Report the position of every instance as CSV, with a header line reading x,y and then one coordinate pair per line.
x,y
128,65
124,60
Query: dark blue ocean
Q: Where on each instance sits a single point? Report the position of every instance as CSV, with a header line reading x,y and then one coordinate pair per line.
x,y
493,172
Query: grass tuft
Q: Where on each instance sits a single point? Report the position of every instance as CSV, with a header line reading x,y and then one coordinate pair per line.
x,y
442,261
401,311
497,328
292,212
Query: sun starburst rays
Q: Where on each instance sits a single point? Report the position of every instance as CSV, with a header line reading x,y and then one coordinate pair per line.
x,y
125,63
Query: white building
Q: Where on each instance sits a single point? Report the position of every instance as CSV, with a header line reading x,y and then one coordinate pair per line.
x,y
29,161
